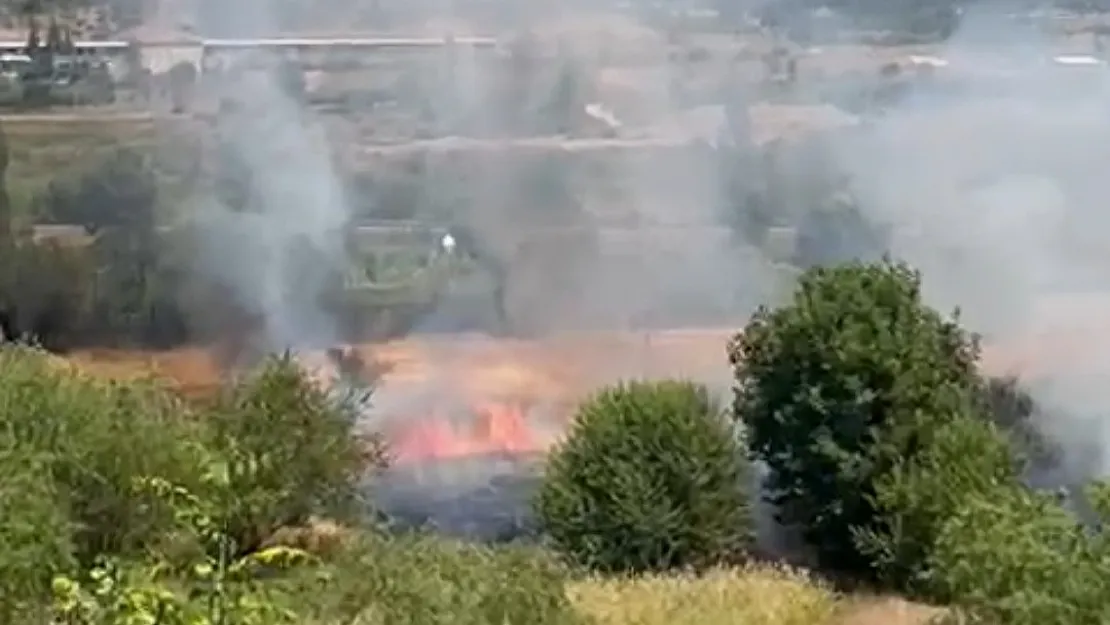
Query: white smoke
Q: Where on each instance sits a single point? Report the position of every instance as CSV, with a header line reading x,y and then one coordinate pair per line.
x,y
277,253
993,176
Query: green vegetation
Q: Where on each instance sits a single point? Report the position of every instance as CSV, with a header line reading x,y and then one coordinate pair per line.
x,y
898,460
883,442
119,266
125,504
841,386
651,478
121,503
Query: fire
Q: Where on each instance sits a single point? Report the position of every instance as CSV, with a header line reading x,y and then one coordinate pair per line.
x,y
499,427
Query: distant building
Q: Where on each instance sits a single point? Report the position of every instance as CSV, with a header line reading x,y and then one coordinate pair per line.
x,y
159,49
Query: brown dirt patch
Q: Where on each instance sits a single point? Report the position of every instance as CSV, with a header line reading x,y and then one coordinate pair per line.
x,y
885,611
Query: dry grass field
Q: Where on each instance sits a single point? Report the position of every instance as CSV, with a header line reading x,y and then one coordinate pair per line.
x,y
765,596
756,595
47,147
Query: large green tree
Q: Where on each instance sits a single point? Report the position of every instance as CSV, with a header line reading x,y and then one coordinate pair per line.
x,y
650,477
846,383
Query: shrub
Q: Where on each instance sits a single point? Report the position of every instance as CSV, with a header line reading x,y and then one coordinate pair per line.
x,y
44,289
102,476
838,386
650,477
1017,557
837,231
119,191
424,580
120,284
1013,409
291,450
965,458
94,437
34,540
207,586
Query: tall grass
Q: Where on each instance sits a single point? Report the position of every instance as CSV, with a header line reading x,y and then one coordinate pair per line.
x,y
751,595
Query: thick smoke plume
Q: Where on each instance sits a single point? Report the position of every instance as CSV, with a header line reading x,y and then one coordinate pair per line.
x,y
275,241
991,173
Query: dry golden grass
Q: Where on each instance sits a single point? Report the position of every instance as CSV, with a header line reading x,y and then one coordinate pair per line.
x,y
884,611
191,371
756,595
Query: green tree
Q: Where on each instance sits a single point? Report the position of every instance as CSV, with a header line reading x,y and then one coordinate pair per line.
x,y
837,230
1018,557
292,451
119,191
116,200
1013,410
963,459
651,477
841,384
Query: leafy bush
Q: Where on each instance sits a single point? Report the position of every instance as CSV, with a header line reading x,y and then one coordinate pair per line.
x,y
291,449
34,542
1017,557
841,385
837,231
651,477
44,290
424,580
211,587
93,437
964,458
119,284
374,579
274,451
118,191
1013,409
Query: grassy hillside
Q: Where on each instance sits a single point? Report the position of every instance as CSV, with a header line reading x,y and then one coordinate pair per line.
x,y
52,147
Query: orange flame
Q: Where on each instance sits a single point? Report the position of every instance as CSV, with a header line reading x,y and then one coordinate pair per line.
x,y
499,427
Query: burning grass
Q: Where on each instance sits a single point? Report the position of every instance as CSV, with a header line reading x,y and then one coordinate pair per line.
x,y
499,427
448,398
